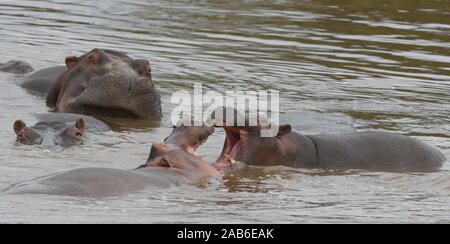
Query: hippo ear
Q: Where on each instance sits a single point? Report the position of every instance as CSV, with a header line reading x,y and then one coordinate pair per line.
x,y
18,126
158,147
80,125
158,162
71,61
155,152
142,66
284,130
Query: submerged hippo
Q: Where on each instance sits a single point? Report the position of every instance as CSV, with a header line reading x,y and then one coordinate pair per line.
x,y
168,165
16,67
102,82
358,150
57,129
41,81
174,167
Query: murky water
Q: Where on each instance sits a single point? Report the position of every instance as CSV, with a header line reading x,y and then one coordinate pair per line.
x,y
385,63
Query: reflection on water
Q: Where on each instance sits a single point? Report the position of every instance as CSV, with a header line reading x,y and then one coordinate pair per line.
x,y
384,63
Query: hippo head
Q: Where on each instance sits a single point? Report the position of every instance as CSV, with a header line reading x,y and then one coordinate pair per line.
x,y
244,143
16,67
172,156
108,83
66,136
158,155
184,136
26,135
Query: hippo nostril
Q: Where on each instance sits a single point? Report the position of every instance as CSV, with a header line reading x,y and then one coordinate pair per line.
x,y
148,82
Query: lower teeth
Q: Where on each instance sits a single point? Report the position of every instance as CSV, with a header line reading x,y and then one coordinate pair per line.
x,y
230,159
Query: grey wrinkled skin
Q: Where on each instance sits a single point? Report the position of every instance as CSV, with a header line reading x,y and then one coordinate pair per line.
x,y
16,67
116,92
106,83
40,82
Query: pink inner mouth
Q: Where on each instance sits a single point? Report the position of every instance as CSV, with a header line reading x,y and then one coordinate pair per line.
x,y
231,146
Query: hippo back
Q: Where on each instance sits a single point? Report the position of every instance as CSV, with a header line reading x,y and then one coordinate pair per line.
x,y
99,182
41,81
375,151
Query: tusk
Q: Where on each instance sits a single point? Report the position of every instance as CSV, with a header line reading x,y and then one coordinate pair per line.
x,y
230,159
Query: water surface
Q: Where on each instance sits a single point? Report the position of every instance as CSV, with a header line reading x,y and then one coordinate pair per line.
x,y
384,63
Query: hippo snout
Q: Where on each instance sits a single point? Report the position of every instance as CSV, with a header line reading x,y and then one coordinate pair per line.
x,y
118,95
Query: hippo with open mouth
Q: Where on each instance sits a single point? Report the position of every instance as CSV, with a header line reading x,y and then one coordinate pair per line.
x,y
371,150
187,139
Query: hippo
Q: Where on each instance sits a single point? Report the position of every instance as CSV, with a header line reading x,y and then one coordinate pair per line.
x,y
63,129
167,165
172,156
99,182
189,138
101,82
184,136
369,150
16,67
174,167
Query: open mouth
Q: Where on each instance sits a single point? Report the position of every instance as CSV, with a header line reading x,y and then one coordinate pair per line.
x,y
192,149
231,147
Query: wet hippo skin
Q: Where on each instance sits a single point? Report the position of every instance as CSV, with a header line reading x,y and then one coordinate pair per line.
x,y
375,150
40,82
100,182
